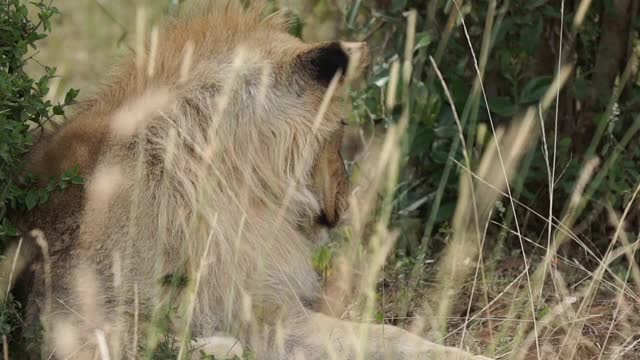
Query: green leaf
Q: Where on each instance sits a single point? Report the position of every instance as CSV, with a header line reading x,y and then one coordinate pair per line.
x,y
11,231
423,40
502,105
31,200
535,89
58,110
543,312
70,173
70,98
77,180
44,196
446,131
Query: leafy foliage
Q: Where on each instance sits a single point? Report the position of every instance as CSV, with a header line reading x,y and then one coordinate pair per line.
x,y
24,108
8,316
521,61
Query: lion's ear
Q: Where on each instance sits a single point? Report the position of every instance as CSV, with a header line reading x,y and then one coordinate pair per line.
x,y
322,62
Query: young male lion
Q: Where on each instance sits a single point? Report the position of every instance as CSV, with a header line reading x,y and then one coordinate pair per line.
x,y
213,154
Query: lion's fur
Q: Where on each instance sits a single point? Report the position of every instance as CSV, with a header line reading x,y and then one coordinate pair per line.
x,y
213,165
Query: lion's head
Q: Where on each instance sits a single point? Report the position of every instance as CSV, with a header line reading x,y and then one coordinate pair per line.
x,y
273,107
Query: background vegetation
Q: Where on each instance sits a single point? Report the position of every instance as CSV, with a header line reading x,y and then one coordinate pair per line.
x,y
517,47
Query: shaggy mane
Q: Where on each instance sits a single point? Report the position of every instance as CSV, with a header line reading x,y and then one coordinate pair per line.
x,y
232,15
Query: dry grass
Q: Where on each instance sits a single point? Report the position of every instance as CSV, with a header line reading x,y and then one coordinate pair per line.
x,y
525,309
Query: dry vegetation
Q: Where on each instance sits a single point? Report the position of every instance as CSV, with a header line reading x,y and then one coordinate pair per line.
x,y
549,304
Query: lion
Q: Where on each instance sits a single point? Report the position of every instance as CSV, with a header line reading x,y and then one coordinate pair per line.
x,y
214,153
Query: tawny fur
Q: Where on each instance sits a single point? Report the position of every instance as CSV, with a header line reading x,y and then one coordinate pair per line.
x,y
213,165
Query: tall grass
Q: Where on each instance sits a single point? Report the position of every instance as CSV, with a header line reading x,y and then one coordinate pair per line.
x,y
533,314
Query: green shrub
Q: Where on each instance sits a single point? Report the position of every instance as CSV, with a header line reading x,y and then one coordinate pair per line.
x,y
24,110
521,60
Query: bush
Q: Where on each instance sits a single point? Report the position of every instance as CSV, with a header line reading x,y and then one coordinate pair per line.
x,y
24,110
517,47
